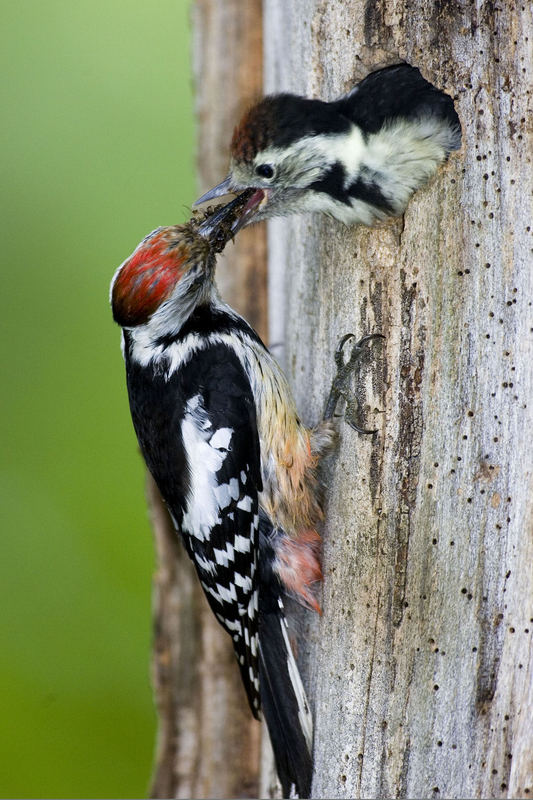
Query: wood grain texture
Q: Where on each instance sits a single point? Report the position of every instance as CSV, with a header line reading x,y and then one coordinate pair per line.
x,y
208,742
228,70
420,671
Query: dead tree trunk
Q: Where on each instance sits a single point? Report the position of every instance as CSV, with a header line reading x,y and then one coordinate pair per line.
x,y
208,742
420,671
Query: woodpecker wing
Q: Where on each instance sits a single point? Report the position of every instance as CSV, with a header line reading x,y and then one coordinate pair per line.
x,y
203,451
221,508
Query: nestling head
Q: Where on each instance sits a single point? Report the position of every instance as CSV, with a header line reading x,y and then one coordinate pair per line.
x,y
358,158
282,147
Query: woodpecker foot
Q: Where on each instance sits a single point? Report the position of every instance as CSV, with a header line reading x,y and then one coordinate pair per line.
x,y
341,382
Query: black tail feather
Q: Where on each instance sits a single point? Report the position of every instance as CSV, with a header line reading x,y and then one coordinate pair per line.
x,y
283,701
284,706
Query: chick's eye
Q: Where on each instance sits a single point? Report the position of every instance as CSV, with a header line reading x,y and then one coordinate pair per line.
x,y
265,170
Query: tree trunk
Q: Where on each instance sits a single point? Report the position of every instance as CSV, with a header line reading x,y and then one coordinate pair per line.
x,y
420,671
208,741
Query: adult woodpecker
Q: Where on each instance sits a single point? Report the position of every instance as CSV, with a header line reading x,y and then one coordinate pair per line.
x,y
220,433
358,159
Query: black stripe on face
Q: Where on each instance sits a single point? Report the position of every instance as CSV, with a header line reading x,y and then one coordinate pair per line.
x,y
332,183
366,188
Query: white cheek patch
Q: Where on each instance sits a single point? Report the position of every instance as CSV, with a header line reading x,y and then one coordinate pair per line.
x,y
348,148
306,159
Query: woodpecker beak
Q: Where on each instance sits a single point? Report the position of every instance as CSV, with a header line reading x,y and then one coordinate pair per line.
x,y
217,191
255,202
229,219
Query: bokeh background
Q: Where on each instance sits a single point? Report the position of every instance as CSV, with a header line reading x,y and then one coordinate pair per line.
x,y
97,150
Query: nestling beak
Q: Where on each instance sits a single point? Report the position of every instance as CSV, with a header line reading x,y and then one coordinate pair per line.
x,y
217,191
227,220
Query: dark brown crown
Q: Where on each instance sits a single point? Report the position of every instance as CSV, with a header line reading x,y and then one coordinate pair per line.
x,y
280,120
255,131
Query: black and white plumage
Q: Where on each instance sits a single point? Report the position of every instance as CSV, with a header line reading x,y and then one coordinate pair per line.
x,y
199,440
358,159
219,432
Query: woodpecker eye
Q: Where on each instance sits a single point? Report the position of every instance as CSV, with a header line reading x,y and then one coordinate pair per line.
x,y
265,170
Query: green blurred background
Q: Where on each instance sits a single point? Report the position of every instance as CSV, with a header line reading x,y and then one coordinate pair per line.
x,y
97,150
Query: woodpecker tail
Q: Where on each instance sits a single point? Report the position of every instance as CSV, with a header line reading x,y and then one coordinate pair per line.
x,y
283,700
285,706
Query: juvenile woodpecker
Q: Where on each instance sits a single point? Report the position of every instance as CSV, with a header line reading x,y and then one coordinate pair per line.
x,y
358,159
219,431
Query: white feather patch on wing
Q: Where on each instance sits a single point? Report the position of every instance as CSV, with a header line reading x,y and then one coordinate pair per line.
x,y
241,544
223,557
204,500
221,438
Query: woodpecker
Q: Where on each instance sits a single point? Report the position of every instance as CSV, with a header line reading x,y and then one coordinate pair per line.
x,y
358,159
219,431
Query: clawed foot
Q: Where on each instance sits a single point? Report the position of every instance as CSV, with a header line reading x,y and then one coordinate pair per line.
x,y
341,382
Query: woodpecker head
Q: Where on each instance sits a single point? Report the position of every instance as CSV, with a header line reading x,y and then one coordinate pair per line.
x,y
172,269
283,147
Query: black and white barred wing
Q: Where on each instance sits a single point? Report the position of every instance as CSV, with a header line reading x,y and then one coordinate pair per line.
x,y
220,517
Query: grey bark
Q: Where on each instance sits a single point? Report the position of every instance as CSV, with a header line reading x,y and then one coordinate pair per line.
x,y
420,671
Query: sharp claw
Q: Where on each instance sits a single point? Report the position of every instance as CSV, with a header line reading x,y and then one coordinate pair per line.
x,y
350,415
362,430
339,360
368,338
356,427
340,387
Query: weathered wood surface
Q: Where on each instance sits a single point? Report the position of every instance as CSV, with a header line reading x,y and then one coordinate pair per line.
x,y
420,671
208,742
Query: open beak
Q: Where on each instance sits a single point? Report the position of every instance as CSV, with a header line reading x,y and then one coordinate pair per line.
x,y
217,191
227,220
